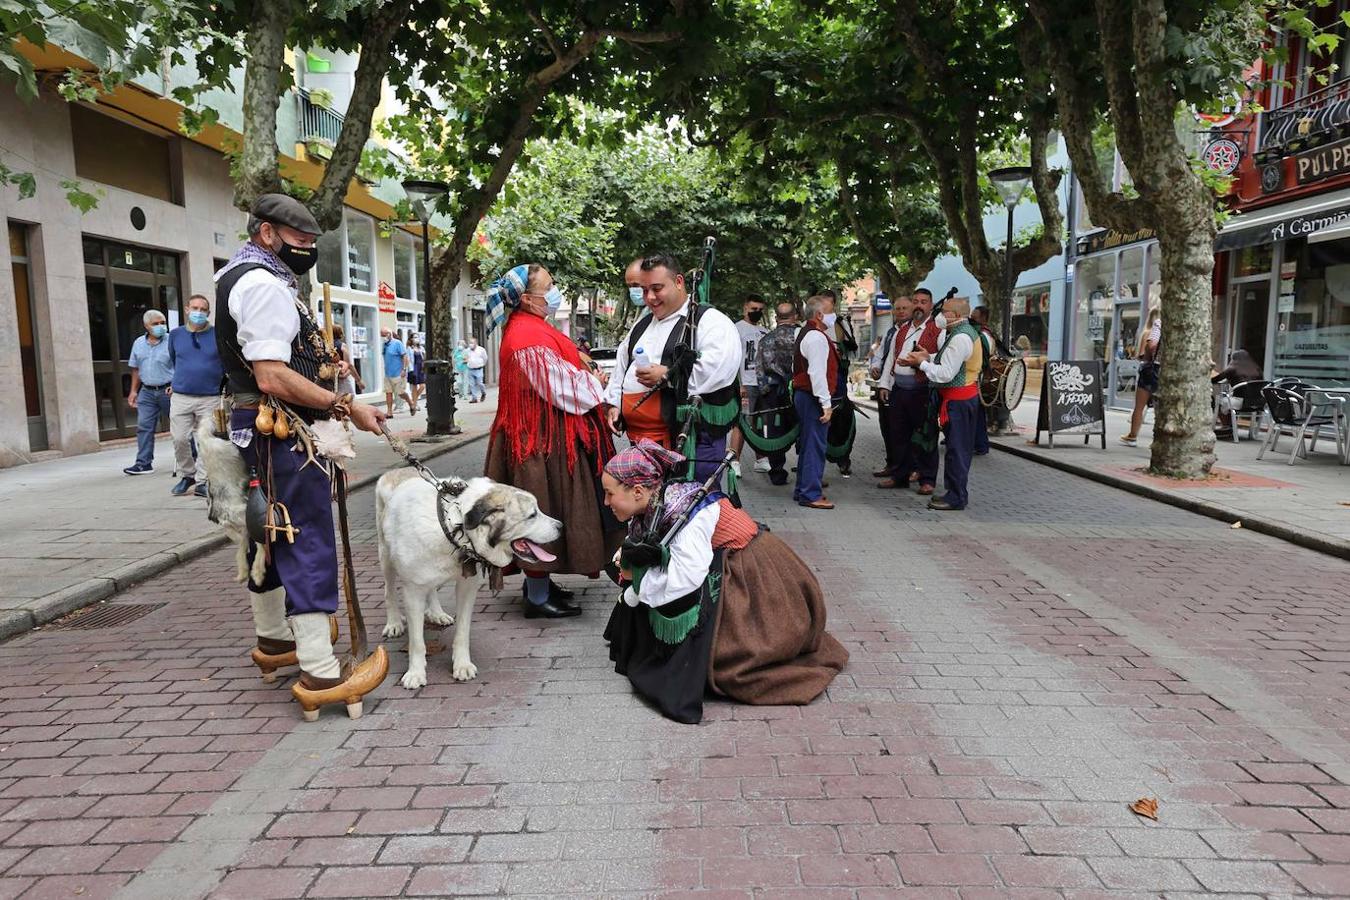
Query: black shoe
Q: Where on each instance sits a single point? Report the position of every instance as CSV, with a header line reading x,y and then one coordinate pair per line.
x,y
943,505
139,469
557,595
778,480
182,487
550,610
200,490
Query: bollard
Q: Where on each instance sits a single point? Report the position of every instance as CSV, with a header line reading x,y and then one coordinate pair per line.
x,y
440,398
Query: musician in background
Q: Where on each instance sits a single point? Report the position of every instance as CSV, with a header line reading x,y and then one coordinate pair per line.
x,y
658,342
905,389
954,371
902,309
979,317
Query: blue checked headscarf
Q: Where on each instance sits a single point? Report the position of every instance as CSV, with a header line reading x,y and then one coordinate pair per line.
x,y
504,295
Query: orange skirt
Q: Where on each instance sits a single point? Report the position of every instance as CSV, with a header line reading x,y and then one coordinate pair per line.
x,y
644,421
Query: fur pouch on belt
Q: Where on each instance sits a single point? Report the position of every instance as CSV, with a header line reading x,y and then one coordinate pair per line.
x,y
333,440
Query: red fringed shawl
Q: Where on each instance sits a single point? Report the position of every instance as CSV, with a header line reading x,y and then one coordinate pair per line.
x,y
530,422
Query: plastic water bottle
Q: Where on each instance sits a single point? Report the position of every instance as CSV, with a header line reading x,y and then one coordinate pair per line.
x,y
640,360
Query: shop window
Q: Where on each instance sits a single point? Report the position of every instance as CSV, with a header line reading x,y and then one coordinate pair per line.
x,y
404,271
360,253
110,151
1312,339
1031,319
1094,283
1253,260
330,268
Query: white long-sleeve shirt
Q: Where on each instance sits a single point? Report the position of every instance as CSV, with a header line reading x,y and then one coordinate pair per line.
x,y
815,347
691,554
889,367
716,341
952,357
263,307
571,389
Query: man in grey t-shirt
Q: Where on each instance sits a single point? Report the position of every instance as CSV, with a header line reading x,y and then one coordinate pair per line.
x,y
751,332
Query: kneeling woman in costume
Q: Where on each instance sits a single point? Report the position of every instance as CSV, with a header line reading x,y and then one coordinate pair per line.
x,y
733,610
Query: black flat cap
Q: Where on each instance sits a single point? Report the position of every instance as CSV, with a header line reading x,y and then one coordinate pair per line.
x,y
280,209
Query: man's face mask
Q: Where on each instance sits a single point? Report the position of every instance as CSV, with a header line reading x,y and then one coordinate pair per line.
x,y
197,317
298,259
755,315
635,296
158,330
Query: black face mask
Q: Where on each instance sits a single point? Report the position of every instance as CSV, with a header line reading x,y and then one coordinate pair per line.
x,y
755,315
298,259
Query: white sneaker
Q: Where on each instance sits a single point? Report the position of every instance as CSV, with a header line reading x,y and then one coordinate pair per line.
x,y
1129,441
762,464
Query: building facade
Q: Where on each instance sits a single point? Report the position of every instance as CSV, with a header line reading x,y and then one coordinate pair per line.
x,y
74,285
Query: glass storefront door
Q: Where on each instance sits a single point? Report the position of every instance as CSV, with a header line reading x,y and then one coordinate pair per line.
x,y
1123,367
1251,309
122,283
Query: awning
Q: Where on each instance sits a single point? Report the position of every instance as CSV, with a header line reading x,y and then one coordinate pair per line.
x,y
1334,233
1305,217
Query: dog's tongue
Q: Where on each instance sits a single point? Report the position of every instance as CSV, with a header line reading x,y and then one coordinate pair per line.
x,y
536,551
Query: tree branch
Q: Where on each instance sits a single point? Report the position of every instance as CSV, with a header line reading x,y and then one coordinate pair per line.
x,y
643,37
554,46
1077,117
1118,70
327,202
880,258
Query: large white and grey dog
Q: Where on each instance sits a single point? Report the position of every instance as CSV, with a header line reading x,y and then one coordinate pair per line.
x,y
227,489
495,522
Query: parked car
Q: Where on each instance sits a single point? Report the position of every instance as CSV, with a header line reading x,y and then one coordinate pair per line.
x,y
604,358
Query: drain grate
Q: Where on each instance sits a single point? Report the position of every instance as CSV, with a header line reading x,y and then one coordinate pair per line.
x,y
103,615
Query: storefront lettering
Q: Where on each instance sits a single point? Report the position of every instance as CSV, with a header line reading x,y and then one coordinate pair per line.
x,y
1323,162
1109,240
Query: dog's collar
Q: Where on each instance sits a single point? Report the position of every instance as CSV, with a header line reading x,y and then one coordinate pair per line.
x,y
470,559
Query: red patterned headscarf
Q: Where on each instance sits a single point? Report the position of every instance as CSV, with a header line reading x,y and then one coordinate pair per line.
x,y
644,464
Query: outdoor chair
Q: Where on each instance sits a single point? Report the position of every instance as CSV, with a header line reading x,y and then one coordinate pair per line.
x,y
1292,409
1242,399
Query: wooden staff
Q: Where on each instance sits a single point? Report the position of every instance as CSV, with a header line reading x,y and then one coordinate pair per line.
x,y
328,330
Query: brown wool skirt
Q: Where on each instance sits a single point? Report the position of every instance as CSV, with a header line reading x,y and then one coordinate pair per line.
x,y
590,533
771,646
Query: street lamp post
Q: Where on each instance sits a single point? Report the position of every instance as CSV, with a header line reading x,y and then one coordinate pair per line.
x,y
440,373
1011,183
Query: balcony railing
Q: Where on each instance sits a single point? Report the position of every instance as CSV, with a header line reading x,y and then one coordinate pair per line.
x,y
1315,117
317,122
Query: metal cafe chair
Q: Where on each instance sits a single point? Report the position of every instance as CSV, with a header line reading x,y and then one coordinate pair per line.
x,y
1242,399
1301,414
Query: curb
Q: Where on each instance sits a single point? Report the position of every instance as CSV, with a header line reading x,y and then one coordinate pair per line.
x,y
50,607
1259,524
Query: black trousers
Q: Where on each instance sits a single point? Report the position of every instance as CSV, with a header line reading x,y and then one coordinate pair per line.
x,y
908,413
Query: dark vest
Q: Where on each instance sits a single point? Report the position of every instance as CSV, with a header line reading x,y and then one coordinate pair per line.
x,y
801,375
307,349
671,399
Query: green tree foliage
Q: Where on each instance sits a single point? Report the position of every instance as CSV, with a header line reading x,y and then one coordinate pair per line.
x,y
585,210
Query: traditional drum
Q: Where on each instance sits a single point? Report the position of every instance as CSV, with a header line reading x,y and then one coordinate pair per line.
x,y
1003,381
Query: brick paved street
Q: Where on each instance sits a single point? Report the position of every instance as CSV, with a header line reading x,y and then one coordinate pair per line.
x,y
1019,673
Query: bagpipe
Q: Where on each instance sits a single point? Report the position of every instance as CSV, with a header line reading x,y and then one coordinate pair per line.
x,y
652,549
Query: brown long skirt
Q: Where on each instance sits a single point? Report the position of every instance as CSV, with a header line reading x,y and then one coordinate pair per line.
x,y
771,646
591,534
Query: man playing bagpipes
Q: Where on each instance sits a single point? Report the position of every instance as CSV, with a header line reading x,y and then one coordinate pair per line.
x,y
711,601
682,351
771,426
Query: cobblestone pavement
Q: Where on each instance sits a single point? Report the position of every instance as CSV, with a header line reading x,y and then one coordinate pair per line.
x,y
1019,673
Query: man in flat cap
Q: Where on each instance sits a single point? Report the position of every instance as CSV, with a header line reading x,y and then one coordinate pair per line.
x,y
279,370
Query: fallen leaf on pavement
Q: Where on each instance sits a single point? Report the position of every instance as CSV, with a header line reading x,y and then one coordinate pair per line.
x,y
1237,524
1146,807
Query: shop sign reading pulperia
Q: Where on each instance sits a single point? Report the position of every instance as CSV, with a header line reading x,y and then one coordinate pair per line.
x,y
1324,162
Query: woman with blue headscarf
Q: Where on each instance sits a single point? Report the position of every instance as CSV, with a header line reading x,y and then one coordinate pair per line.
x,y
549,437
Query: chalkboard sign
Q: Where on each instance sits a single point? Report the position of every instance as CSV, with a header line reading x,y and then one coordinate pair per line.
x,y
1071,400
